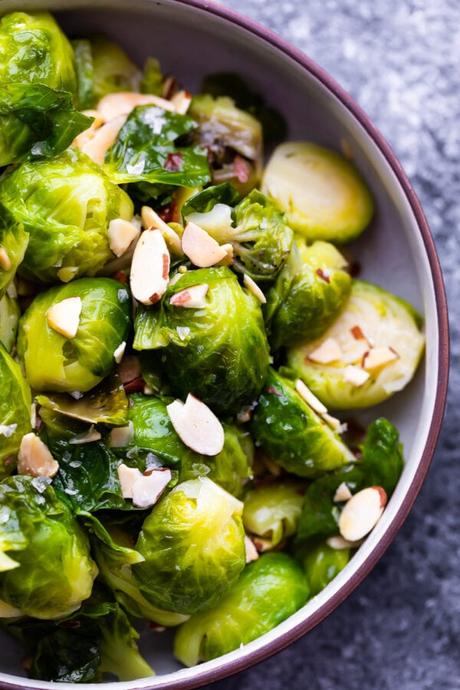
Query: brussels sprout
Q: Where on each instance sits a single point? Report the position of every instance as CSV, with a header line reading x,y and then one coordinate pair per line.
x,y
66,205
15,410
153,432
373,322
9,319
146,150
233,139
273,511
292,434
193,546
79,363
322,563
260,239
380,464
47,569
308,293
13,244
103,67
219,353
152,78
270,590
322,193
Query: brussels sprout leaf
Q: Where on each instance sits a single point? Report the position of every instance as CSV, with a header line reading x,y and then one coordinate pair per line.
x,y
152,79
206,200
84,69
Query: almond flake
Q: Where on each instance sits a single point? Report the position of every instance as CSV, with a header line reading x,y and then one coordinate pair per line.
x,y
193,297
147,488
64,317
121,234
355,375
379,357
35,459
181,101
127,476
151,220
334,423
339,543
311,399
33,415
123,102
196,425
254,288
202,250
119,352
329,351
150,267
355,351
262,545
251,552
5,261
87,437
103,139
342,493
121,436
362,512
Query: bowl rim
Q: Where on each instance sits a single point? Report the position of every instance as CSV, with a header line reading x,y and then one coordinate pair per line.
x,y
274,646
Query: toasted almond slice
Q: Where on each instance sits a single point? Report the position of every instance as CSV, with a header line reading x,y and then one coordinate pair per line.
x,y
119,352
193,297
35,459
151,219
339,543
87,437
355,351
147,488
122,103
329,351
121,436
251,552
342,493
254,288
64,317
103,138
228,259
121,235
88,134
150,267
378,357
335,424
311,400
5,261
181,101
362,512
196,425
202,250
355,375
127,476
262,545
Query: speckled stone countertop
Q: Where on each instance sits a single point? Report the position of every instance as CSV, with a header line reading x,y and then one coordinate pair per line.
x,y
400,59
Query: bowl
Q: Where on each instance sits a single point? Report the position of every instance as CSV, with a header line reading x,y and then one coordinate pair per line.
x,y
192,38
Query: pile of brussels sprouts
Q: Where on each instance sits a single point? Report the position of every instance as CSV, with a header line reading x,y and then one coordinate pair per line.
x,y
177,331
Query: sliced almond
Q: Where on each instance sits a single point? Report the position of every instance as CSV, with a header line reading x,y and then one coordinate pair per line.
x,y
88,134
119,352
121,235
87,437
121,436
181,101
329,351
202,250
64,317
127,476
355,375
196,425
335,424
339,543
355,351
150,267
254,288
262,545
193,297
103,139
229,252
35,459
147,488
362,512
379,357
342,493
311,400
151,219
5,261
251,552
122,103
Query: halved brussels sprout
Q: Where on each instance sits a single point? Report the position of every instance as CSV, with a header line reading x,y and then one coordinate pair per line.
x,y
292,434
9,319
153,432
219,352
193,546
270,590
66,205
81,362
15,410
272,511
13,244
322,193
322,563
47,570
308,293
233,139
260,238
378,343
103,67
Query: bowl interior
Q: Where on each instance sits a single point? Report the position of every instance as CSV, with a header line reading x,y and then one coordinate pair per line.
x,y
191,43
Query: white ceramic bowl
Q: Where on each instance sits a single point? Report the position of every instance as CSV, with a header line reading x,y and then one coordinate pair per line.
x,y
193,38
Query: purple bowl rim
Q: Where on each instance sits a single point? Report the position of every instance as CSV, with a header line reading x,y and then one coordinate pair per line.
x,y
236,665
